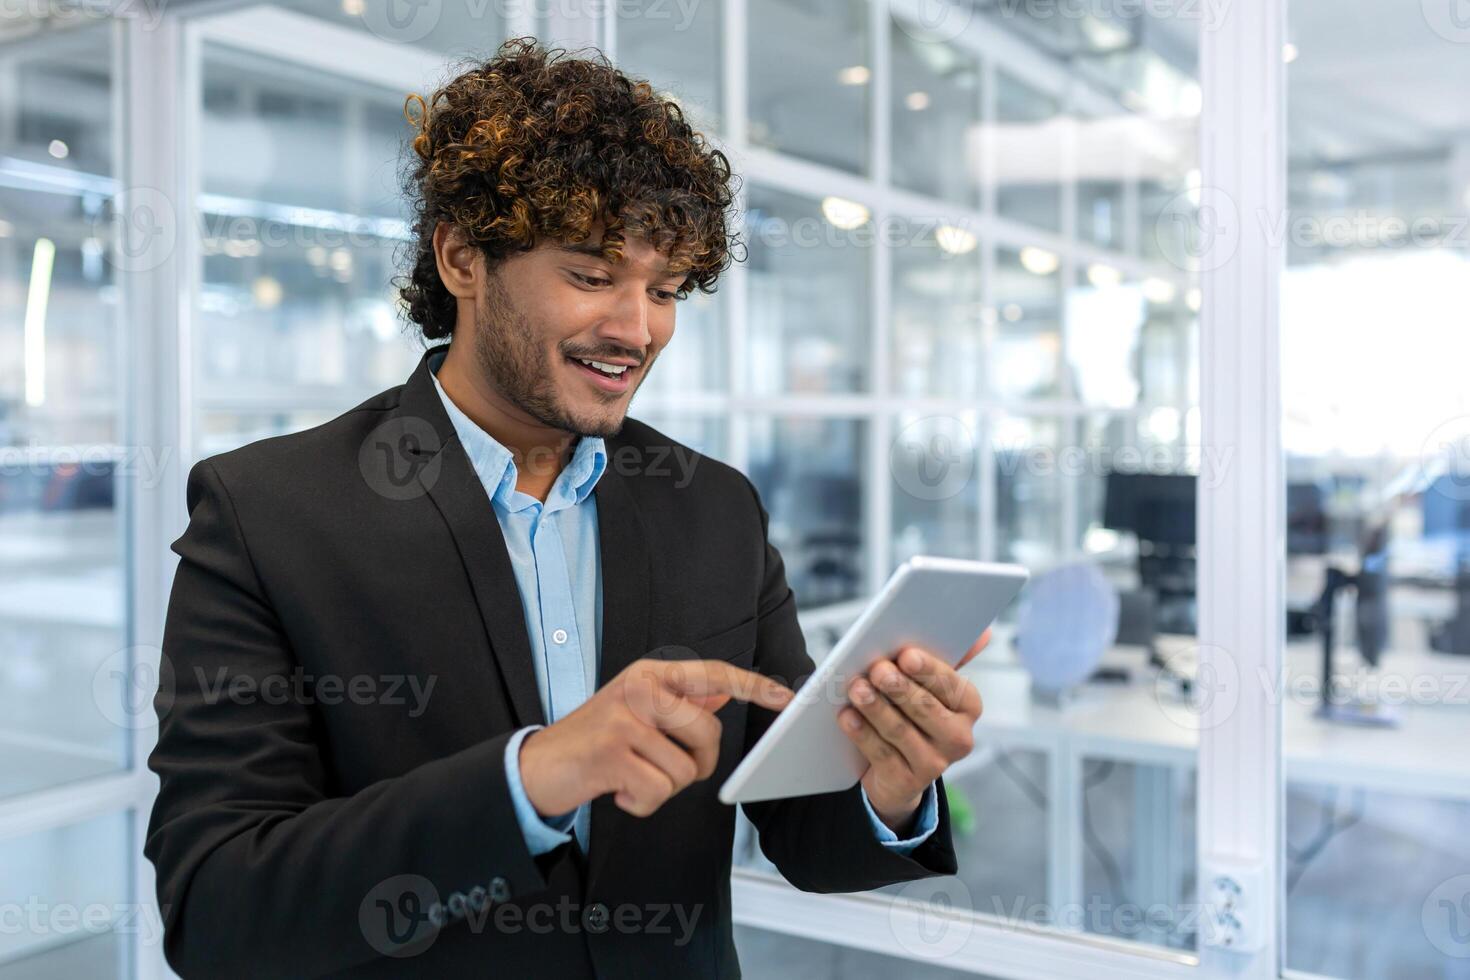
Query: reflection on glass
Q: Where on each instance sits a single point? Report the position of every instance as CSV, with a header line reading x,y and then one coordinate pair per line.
x,y
810,71
1104,321
1131,343
809,472
938,316
936,486
1028,492
1100,214
1168,227
1168,349
1025,354
935,108
1138,824
1027,154
301,217
677,48
62,624
808,310
1374,414
66,891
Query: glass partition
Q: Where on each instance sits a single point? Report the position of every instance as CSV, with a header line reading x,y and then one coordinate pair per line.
x,y
1375,408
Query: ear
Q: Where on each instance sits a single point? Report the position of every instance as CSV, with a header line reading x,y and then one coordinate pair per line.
x,y
461,265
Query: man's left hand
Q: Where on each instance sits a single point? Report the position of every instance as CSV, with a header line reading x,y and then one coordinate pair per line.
x,y
912,717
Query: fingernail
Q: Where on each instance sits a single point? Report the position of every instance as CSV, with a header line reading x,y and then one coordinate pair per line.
x,y
861,691
850,722
911,660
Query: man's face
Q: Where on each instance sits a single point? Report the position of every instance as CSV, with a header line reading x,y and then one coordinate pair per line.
x,y
549,313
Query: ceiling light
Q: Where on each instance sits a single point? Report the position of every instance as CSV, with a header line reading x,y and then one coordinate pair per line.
x,y
1159,291
1194,299
917,101
58,149
1039,261
955,241
1103,276
1289,52
855,75
353,8
1012,313
843,213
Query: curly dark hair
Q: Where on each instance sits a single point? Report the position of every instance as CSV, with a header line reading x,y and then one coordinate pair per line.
x,y
535,144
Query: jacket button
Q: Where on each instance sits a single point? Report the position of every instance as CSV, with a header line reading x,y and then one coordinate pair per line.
x,y
499,889
478,898
437,915
597,916
457,902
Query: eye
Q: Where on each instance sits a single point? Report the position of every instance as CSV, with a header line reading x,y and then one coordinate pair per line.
x,y
666,295
590,280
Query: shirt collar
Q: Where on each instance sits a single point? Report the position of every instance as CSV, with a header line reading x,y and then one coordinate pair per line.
x,y
496,468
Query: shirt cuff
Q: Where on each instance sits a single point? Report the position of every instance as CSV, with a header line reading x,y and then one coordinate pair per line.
x,y
926,824
542,834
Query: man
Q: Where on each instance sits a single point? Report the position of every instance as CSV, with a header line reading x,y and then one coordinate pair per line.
x,y
451,681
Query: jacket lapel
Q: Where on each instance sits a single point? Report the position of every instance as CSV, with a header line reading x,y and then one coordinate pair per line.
x,y
449,479
623,541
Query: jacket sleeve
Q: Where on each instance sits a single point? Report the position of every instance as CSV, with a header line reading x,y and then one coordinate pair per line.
x,y
824,842
259,871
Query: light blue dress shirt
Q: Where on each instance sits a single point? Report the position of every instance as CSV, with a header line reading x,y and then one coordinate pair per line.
x,y
557,559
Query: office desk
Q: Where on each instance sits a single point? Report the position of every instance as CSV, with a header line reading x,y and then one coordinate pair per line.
x,y
1145,723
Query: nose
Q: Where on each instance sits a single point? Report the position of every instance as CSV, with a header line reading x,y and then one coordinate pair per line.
x,y
627,322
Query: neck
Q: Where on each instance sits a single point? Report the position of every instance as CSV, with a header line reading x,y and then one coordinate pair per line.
x,y
540,451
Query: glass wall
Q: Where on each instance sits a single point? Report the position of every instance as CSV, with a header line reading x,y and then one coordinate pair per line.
x,y
1375,339
63,649
960,357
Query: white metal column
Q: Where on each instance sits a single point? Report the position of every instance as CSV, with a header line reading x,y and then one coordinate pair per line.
x,y
1241,534
152,273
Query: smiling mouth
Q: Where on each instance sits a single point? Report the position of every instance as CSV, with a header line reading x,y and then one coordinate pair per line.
x,y
603,367
610,378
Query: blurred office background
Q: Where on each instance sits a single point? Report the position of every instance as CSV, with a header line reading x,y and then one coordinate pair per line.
x,y
967,326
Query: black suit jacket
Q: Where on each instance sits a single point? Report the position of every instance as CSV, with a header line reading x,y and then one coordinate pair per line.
x,y
316,818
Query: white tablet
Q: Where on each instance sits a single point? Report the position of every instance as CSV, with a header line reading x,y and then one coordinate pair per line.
x,y
940,604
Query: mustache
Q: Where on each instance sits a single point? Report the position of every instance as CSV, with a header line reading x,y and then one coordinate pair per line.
x,y
605,353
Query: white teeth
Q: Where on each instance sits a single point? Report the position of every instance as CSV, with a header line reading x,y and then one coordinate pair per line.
x,y
616,370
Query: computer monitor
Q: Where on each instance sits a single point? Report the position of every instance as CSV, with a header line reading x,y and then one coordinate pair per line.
x,y
1446,506
1306,518
1157,507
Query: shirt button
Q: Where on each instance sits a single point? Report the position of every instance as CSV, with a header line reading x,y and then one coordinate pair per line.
x,y
560,636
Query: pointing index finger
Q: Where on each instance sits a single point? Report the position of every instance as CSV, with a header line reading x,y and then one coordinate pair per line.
x,y
694,678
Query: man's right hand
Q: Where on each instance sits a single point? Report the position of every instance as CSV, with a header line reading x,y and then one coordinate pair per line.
x,y
645,736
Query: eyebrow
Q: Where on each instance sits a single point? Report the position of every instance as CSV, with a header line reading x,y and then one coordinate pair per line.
x,y
595,251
